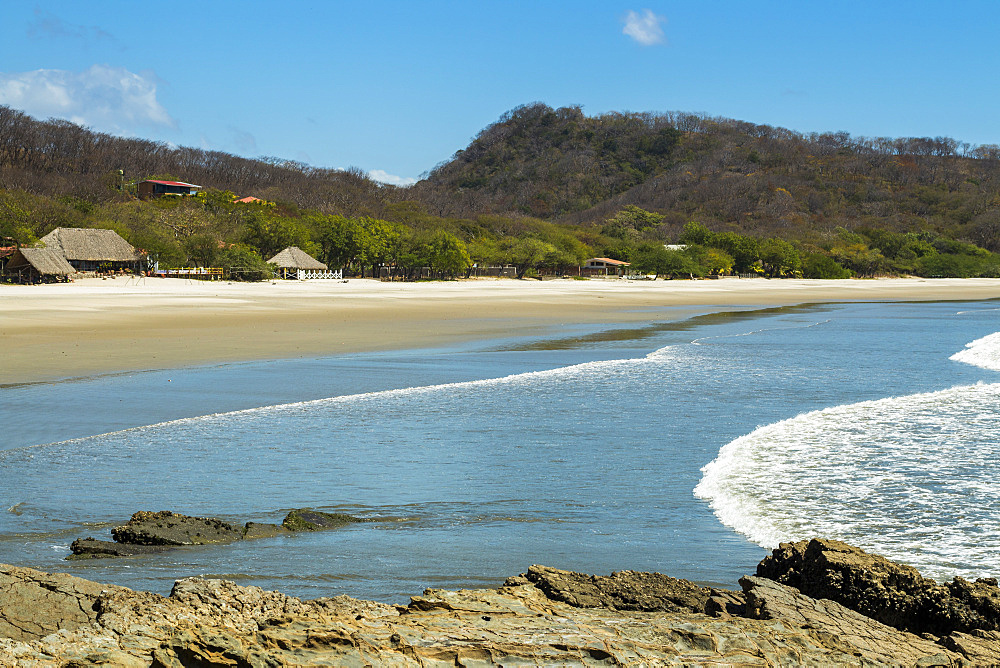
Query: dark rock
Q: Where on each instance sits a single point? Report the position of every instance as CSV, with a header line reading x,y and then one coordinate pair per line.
x,y
623,590
89,548
167,528
894,594
304,519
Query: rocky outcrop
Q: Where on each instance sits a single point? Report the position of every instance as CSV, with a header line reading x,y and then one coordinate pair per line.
x,y
91,548
314,520
167,528
545,616
150,532
892,593
623,590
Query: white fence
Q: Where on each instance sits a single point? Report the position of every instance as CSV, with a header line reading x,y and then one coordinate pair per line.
x,y
316,273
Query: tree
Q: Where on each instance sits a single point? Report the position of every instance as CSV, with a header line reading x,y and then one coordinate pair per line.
x,y
524,254
630,221
696,233
241,262
779,258
271,234
448,254
202,249
818,265
744,250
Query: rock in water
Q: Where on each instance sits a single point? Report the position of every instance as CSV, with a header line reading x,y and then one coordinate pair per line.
x,y
89,548
304,519
894,594
167,528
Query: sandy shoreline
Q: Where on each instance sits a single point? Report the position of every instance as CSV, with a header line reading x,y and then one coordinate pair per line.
x,y
95,326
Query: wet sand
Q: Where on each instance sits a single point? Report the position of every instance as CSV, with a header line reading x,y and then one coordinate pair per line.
x,y
95,326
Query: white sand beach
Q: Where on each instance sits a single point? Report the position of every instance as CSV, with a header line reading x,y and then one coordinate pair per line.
x,y
93,326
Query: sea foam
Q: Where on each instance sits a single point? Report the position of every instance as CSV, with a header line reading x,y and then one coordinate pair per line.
x,y
914,477
984,352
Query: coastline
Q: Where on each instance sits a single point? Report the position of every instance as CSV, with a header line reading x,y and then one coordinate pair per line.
x,y
100,326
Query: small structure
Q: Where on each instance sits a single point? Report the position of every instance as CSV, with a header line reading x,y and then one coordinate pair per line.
x,y
250,199
150,189
604,266
92,250
292,259
38,265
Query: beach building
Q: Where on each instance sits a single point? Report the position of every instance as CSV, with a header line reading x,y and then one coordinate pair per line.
x,y
292,259
150,189
38,265
92,250
604,266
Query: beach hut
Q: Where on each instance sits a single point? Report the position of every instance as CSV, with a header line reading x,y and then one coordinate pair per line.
x,y
604,265
293,258
92,250
38,265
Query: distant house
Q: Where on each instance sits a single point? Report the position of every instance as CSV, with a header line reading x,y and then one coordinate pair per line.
x,y
36,265
92,250
604,266
293,258
248,200
150,189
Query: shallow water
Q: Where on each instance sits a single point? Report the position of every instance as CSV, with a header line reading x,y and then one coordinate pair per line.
x,y
581,450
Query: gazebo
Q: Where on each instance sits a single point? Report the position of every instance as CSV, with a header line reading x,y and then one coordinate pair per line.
x,y
37,265
293,258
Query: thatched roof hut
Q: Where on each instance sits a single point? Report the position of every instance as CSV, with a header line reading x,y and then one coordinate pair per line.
x,y
90,249
294,257
38,264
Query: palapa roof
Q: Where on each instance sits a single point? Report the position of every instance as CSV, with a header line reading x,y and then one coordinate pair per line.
x,y
89,244
294,257
46,261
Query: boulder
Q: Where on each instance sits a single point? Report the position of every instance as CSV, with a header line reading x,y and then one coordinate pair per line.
x,y
894,594
90,548
304,519
151,532
167,528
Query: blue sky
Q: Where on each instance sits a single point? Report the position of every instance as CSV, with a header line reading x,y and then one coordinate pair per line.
x,y
394,88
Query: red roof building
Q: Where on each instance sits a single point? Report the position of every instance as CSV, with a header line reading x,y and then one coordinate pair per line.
x,y
150,188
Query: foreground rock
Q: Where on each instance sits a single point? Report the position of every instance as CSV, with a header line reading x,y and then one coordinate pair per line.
x,y
892,593
543,617
149,532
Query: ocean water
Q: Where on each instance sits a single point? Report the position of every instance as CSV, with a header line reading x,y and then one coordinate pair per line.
x,y
686,447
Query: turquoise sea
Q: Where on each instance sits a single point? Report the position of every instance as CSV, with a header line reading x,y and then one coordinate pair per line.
x,y
687,447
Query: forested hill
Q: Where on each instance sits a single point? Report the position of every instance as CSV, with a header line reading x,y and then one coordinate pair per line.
x,y
541,189
559,164
57,158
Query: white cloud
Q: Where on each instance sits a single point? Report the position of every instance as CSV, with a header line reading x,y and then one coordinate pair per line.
x,y
645,28
382,176
108,99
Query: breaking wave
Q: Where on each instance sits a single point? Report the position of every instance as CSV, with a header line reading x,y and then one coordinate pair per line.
x,y
916,477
